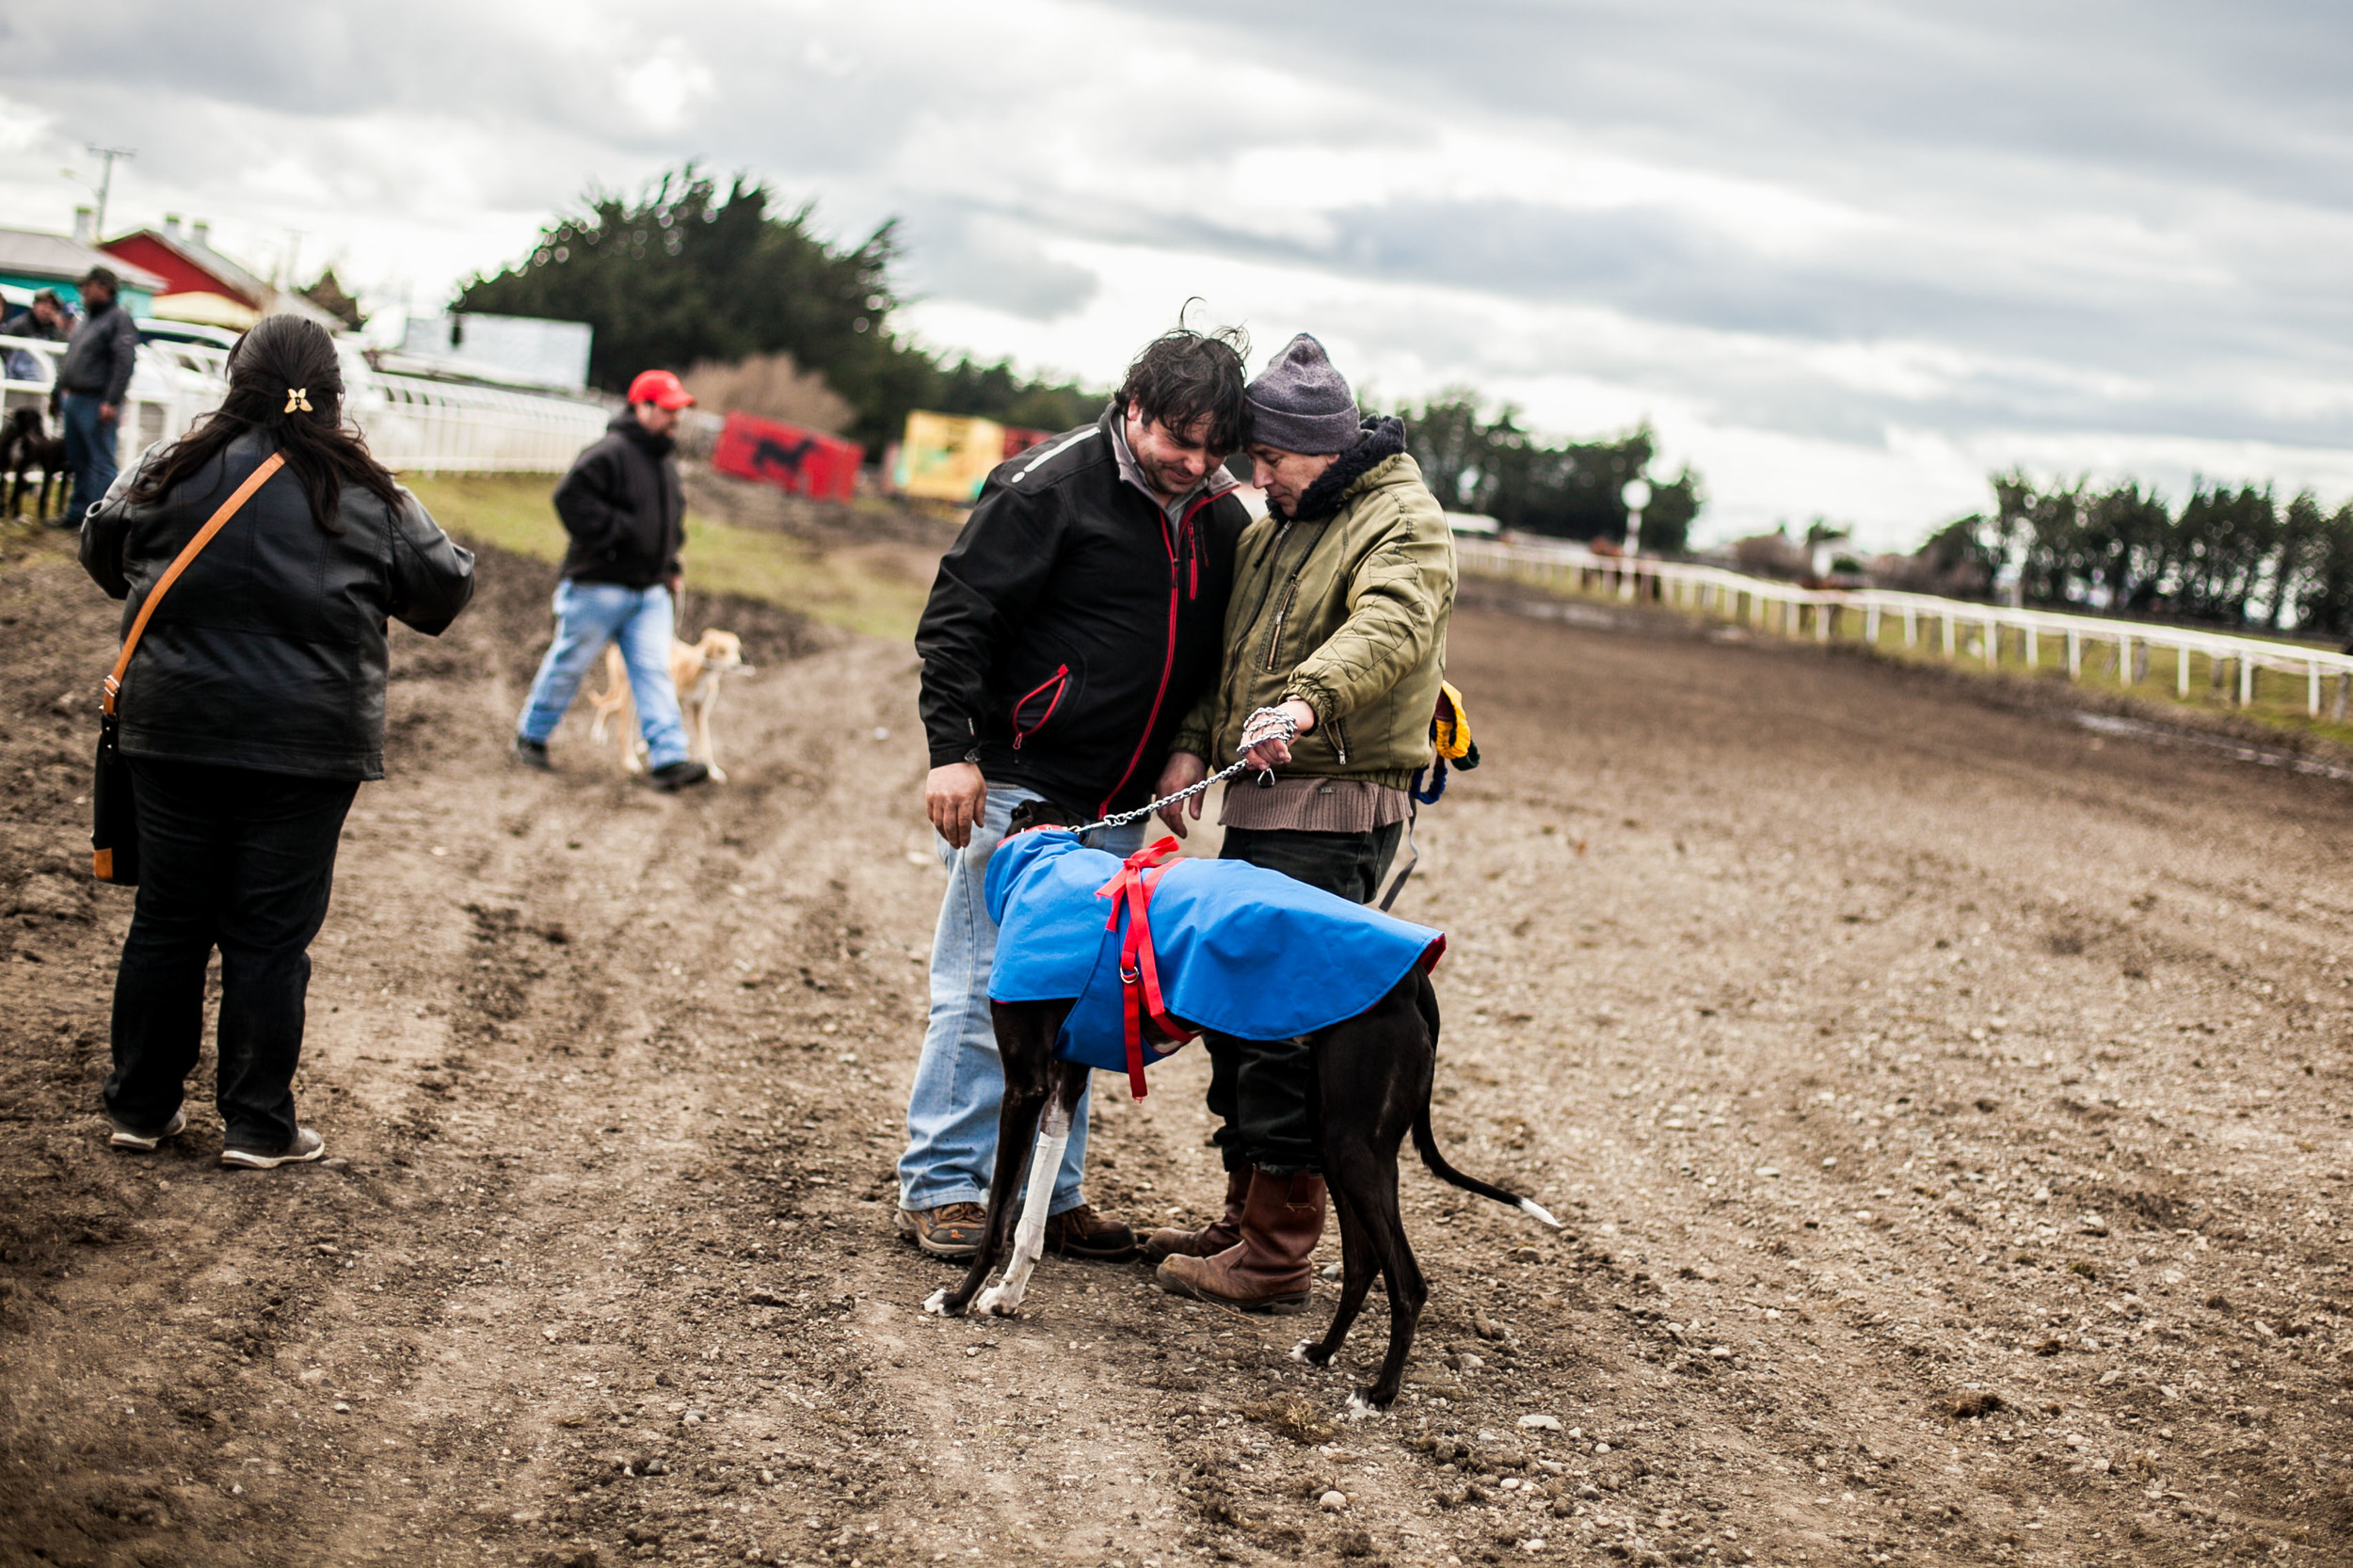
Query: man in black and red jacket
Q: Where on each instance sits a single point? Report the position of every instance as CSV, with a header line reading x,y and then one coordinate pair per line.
x,y
1074,622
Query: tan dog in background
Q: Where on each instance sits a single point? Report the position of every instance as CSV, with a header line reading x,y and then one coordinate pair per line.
x,y
696,670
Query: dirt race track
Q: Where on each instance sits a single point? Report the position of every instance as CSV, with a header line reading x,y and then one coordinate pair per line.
x,y
1948,1105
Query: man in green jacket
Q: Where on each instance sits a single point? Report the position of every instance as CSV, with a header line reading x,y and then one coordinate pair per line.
x,y
1337,618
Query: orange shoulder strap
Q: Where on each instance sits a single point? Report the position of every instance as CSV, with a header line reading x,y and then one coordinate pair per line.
x,y
243,493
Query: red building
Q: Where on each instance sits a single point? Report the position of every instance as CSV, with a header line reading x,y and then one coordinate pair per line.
x,y
201,283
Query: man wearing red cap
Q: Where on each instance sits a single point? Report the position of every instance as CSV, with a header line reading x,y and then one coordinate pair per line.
x,y
626,512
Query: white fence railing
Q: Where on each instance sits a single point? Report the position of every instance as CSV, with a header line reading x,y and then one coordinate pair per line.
x,y
439,427
412,425
1941,623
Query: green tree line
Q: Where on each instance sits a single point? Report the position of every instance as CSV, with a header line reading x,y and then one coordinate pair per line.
x,y
2229,555
685,273
1575,491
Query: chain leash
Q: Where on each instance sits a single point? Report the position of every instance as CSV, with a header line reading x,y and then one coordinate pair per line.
x,y
1265,724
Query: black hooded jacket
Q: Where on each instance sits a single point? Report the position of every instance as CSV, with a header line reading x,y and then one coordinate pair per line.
x,y
624,508
100,355
269,652
1072,626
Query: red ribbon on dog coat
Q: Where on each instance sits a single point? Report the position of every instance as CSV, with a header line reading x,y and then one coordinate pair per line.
x,y
1139,969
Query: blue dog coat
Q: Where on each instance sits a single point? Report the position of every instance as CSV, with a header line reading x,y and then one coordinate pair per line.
x,y
1239,949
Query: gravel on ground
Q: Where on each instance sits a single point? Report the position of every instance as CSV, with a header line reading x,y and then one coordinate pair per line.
x,y
1946,1102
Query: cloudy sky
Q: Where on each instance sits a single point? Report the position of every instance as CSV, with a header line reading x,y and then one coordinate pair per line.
x,y
1845,257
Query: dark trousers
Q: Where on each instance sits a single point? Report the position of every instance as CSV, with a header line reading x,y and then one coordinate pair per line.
x,y
245,862
90,452
1260,1090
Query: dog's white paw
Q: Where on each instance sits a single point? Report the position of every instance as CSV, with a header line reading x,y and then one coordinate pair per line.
x,y
937,1301
996,1302
1299,1351
1359,1408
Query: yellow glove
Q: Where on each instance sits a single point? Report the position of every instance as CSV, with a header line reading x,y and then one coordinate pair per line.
x,y
1450,731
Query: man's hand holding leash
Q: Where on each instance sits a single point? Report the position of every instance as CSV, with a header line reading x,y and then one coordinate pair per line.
x,y
1266,740
1265,747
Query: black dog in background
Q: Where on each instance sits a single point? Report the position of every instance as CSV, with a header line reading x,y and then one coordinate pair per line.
x,y
26,448
1374,1077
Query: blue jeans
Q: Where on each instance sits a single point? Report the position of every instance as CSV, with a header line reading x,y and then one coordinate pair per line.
x,y
587,616
952,1113
91,451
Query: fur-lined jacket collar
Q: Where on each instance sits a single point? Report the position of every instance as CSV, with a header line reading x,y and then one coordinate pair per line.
x,y
1384,438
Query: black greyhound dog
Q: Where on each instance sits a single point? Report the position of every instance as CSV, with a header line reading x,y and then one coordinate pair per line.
x,y
25,447
1373,1076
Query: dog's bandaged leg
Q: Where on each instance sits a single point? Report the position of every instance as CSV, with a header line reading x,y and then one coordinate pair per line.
x,y
1003,1299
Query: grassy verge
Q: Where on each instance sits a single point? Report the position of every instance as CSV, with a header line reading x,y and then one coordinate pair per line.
x,y
849,586
2280,704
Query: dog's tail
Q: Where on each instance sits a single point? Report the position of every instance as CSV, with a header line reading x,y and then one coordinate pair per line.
x,y
1426,1142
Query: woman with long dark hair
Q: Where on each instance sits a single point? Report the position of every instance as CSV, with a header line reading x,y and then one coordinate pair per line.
x,y
252,710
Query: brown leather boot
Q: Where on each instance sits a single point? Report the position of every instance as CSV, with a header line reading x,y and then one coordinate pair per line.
x,y
1082,1232
1267,1271
1215,1236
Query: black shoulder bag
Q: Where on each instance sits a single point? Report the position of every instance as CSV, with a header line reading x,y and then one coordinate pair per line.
x,y
114,835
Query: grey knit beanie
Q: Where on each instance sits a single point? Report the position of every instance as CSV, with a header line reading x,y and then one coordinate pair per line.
x,y
1301,403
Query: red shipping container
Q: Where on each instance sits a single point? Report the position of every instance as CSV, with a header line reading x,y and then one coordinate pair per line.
x,y
805,462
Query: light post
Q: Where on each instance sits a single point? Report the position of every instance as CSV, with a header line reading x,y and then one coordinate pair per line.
x,y
107,156
1636,495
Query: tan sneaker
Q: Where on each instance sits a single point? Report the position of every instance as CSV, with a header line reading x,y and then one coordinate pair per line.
x,y
144,1143
307,1147
951,1230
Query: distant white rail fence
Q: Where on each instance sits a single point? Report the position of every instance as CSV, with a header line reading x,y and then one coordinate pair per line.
x,y
1828,613
412,425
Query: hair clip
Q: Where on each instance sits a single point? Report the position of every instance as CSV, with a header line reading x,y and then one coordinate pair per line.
x,y
297,398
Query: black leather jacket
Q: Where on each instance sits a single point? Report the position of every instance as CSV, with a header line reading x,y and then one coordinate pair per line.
x,y
269,652
100,355
1072,625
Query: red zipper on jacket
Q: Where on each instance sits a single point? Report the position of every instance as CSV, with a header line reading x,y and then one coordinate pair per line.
x,y
1060,680
1168,657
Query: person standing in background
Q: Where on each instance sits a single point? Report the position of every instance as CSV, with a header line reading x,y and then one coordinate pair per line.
x,y
252,710
92,381
47,319
625,509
